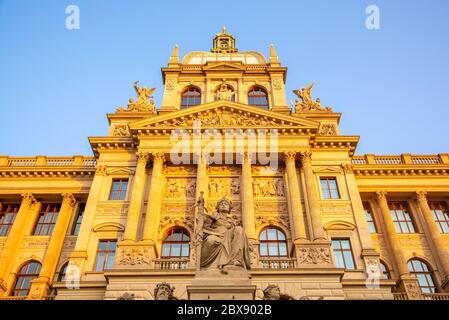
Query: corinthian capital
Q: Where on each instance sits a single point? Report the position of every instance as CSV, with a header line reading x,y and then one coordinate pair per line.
x,y
347,168
381,195
306,157
158,157
69,199
421,195
28,199
290,155
142,157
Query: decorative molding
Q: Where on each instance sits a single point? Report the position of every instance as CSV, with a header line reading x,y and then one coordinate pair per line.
x,y
280,207
122,131
108,226
335,208
132,257
327,129
329,169
314,255
166,221
339,225
273,220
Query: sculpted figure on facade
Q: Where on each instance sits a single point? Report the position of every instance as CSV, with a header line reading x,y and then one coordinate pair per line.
x,y
268,188
273,292
164,291
223,240
314,256
307,103
144,103
224,92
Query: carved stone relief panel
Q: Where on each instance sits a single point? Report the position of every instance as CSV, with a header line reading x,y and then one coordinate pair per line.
x,y
176,221
336,208
224,170
180,188
271,207
266,171
111,209
221,187
268,187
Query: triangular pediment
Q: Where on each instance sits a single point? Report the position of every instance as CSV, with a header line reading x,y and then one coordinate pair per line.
x,y
224,114
223,66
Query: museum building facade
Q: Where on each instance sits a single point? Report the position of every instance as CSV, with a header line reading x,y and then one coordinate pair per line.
x,y
322,222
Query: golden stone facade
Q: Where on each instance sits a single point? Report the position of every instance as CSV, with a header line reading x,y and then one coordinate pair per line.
x,y
224,128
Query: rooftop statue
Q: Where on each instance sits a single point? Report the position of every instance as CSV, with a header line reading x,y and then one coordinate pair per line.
x,y
144,103
222,240
307,103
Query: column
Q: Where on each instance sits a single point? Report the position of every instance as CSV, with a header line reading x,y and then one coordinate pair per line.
x,y
207,93
150,231
366,241
202,184
247,196
135,206
297,217
391,235
14,240
312,197
79,255
40,286
435,234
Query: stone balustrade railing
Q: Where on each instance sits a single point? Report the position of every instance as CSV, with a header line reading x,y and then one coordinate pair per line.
x,y
277,263
171,264
44,161
403,159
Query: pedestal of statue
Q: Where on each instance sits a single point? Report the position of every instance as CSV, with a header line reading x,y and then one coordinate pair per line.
x,y
213,284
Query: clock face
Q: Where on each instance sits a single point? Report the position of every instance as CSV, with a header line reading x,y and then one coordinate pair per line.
x,y
224,43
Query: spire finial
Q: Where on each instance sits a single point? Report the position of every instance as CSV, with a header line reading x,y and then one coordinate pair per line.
x,y
274,60
174,59
223,30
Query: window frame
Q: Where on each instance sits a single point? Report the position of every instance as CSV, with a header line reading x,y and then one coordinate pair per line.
x,y
76,223
255,89
107,253
63,272
372,225
428,273
403,207
442,206
342,251
5,227
328,189
276,241
195,98
119,191
40,225
386,273
171,243
23,276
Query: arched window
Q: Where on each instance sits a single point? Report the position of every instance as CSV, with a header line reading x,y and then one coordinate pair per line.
x,y
190,97
258,97
176,244
424,275
273,243
385,271
27,272
63,272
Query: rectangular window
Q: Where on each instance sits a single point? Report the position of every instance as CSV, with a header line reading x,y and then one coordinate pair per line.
x,y
401,216
47,220
7,217
79,219
329,188
118,189
343,253
369,218
440,214
105,255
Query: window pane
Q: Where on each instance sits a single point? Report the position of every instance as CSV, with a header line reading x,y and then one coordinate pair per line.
x,y
336,244
348,260
272,234
176,250
185,250
283,249
339,260
273,249
345,244
263,249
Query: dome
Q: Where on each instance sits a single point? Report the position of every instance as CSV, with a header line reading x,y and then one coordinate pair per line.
x,y
202,57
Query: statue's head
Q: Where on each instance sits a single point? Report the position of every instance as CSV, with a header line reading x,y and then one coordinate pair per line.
x,y
272,292
163,291
224,205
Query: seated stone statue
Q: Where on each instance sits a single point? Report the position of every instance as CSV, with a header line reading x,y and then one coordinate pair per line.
x,y
224,242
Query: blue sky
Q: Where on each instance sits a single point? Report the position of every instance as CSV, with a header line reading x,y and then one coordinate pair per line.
x,y
57,85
